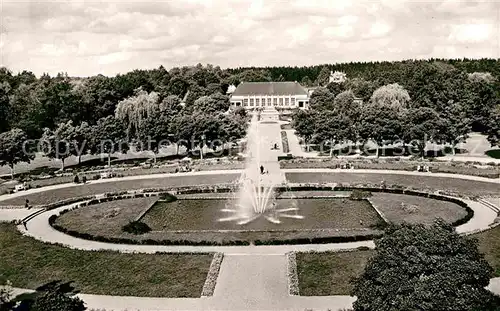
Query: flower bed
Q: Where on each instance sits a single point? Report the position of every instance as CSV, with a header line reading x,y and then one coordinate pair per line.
x,y
293,278
284,140
395,164
213,274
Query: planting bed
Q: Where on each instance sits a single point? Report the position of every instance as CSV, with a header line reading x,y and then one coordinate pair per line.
x,y
51,196
432,183
28,263
427,210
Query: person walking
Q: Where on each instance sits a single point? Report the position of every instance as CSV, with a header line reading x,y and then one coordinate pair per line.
x,y
261,169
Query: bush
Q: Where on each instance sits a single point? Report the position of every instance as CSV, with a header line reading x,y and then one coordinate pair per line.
x,y
414,268
358,194
136,227
167,197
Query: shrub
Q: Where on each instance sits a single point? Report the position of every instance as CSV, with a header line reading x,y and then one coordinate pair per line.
x,y
136,227
358,194
414,268
167,197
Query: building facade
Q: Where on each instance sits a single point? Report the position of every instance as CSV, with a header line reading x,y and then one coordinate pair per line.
x,y
286,95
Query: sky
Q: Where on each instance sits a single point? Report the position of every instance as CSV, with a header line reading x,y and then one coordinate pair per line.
x,y
85,38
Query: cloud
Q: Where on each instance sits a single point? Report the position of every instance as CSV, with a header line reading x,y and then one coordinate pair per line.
x,y
109,37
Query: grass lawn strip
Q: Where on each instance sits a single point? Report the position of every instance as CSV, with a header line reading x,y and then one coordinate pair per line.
x,y
28,263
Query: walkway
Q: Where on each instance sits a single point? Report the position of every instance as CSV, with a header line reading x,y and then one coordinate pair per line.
x,y
251,277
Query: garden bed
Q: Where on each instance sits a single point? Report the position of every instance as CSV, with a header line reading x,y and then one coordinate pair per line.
x,y
51,196
284,140
28,263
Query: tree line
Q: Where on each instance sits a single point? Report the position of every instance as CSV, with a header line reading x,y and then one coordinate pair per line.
x,y
424,101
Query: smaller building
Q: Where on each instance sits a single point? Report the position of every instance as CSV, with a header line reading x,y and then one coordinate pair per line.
x,y
286,95
337,77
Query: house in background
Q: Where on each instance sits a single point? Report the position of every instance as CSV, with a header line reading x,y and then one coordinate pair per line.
x,y
337,77
285,95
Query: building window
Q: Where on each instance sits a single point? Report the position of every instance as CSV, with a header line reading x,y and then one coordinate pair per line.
x,y
245,101
293,101
287,101
281,101
257,102
251,101
275,102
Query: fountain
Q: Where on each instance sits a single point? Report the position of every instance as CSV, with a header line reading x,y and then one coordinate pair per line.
x,y
256,195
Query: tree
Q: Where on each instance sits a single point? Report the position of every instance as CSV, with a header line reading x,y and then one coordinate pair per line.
x,y
494,127
5,296
133,110
336,88
80,139
391,96
322,99
458,125
153,134
425,268
304,123
306,81
281,78
59,144
344,103
108,136
361,88
55,297
422,125
214,103
323,76
5,90
379,124
333,127
14,148
481,77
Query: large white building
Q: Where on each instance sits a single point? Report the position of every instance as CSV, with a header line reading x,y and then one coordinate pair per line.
x,y
250,95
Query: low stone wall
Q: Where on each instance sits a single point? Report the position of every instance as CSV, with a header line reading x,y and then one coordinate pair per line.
x,y
293,277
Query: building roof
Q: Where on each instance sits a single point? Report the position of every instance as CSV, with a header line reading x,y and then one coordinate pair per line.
x,y
269,88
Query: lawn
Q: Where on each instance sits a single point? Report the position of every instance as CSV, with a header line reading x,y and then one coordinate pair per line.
x,y
28,263
329,273
467,187
121,185
390,205
318,214
489,244
106,219
198,220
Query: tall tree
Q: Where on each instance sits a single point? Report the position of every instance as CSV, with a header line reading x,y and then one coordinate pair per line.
x,y
425,268
133,110
391,96
304,123
108,137
14,148
323,76
422,125
59,144
493,131
322,99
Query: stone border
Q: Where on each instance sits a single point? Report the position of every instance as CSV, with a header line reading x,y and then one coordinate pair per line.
x,y
293,277
213,274
106,197
143,213
378,211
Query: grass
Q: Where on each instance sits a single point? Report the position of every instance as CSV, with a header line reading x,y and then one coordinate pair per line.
x,y
55,195
330,273
467,187
493,153
489,245
106,219
428,209
197,220
28,263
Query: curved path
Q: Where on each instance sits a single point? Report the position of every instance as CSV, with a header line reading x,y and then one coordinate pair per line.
x,y
249,278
